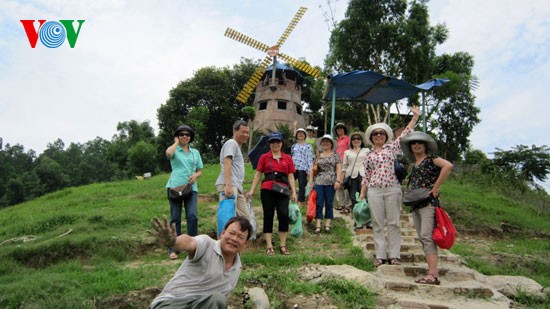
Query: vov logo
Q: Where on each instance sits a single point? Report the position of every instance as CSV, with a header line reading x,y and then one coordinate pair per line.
x,y
52,34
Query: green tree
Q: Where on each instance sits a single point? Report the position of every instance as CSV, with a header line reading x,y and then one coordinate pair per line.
x,y
528,163
50,174
141,158
214,90
129,134
395,38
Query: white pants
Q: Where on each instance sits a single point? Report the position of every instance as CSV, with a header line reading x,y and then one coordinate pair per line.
x,y
385,208
424,222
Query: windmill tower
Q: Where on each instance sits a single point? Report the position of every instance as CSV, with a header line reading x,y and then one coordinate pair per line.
x,y
279,88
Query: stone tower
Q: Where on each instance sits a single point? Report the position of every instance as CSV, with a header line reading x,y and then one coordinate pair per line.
x,y
279,101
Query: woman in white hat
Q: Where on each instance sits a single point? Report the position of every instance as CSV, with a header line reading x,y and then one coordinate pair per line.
x,y
328,180
428,171
383,190
302,156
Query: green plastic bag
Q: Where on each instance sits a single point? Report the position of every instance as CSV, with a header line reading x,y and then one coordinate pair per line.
x,y
293,213
361,212
297,229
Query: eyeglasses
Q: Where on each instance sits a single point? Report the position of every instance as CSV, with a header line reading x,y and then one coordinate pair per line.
x,y
355,138
184,134
417,142
382,133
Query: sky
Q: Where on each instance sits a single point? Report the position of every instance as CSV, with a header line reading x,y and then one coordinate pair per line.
x,y
130,53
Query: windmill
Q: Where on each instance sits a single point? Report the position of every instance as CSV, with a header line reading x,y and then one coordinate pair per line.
x,y
272,53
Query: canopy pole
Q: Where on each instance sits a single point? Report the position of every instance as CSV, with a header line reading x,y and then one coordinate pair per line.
x,y
423,113
333,110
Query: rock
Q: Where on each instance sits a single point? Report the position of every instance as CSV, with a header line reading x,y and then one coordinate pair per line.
x,y
259,298
511,286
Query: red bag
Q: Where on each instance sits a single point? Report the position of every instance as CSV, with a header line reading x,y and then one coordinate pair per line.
x,y
444,234
311,206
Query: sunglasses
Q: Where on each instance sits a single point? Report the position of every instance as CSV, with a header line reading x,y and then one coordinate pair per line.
x,y
275,141
184,134
417,142
356,138
382,133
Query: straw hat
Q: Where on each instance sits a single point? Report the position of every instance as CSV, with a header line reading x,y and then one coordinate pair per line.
x,y
341,125
431,145
357,133
326,136
383,126
300,130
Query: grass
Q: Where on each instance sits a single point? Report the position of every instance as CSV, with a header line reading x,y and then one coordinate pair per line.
x,y
81,247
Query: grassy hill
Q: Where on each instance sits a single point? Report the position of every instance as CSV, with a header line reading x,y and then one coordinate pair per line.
x,y
88,247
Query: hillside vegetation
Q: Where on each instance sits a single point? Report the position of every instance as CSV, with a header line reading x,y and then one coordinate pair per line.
x,y
88,247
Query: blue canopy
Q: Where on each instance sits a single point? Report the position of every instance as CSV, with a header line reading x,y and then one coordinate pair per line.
x,y
372,88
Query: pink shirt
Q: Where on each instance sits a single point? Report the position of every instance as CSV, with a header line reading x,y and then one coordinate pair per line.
x,y
343,145
379,170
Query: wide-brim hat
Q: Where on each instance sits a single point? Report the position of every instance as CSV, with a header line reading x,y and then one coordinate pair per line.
x,y
300,130
431,145
357,133
383,126
185,128
341,125
326,136
311,128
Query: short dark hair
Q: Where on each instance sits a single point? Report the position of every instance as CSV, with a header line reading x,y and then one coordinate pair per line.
x,y
237,125
243,222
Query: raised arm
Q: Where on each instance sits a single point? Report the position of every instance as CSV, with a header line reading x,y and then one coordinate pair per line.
x,y
167,236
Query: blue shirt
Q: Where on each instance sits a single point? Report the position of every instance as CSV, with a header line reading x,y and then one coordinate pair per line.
x,y
184,164
302,156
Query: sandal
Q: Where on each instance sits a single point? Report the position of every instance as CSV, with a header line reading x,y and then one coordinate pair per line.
x,y
270,251
283,250
173,256
434,280
345,211
339,208
327,229
378,262
395,261
318,230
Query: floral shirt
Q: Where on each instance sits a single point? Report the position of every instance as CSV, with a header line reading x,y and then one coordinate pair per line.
x,y
327,169
379,169
425,174
302,155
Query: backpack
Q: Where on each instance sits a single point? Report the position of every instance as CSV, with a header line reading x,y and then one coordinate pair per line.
x,y
444,234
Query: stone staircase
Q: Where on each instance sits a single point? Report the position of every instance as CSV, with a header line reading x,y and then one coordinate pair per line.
x,y
460,287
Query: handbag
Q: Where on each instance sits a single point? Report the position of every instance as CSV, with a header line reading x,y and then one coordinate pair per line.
x,y
444,234
400,171
347,181
417,198
315,168
279,188
181,192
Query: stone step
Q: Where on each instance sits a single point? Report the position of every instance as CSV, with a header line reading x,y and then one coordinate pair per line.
x,y
451,274
369,238
405,247
405,231
472,289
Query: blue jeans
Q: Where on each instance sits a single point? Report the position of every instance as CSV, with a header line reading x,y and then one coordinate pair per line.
x,y
190,204
325,197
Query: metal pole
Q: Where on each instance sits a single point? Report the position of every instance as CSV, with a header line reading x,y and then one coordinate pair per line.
x,y
423,113
333,111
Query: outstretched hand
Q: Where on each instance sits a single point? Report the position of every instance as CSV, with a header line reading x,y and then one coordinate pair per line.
x,y
165,233
415,110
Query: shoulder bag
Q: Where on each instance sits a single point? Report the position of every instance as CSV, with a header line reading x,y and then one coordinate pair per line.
x,y
347,181
184,191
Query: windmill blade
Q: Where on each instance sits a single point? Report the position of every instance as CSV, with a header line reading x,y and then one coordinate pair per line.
x,y
301,65
291,25
245,39
253,81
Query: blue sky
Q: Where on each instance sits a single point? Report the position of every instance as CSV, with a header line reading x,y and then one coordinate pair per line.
x,y
131,53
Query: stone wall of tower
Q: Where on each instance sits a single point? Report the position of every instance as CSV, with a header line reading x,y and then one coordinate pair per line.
x,y
268,104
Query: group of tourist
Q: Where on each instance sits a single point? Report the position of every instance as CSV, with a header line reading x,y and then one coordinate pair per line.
x,y
325,163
